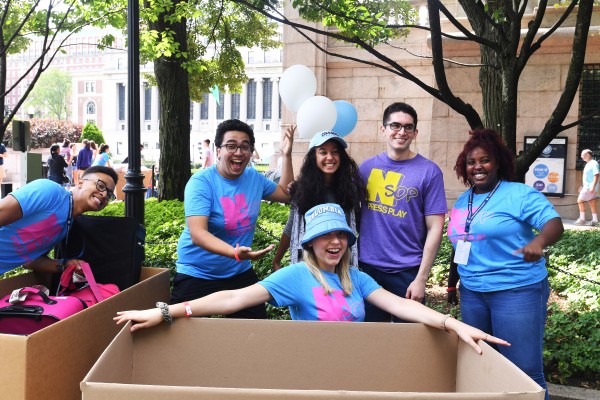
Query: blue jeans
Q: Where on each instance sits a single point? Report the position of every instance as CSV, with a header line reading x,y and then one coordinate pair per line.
x,y
515,315
396,283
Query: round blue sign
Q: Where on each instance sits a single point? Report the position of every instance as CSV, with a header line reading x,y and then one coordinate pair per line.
x,y
552,188
540,171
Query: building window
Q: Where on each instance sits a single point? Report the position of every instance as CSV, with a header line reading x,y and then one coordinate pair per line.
x,y
221,107
267,98
90,108
251,57
235,105
191,111
90,87
251,99
204,107
147,102
588,136
121,100
121,63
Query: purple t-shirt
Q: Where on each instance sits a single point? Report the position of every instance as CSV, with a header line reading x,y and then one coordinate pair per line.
x,y
399,196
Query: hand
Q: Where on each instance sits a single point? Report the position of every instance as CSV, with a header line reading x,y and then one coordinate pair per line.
x,y
453,298
287,141
77,265
246,253
143,319
416,290
532,251
472,335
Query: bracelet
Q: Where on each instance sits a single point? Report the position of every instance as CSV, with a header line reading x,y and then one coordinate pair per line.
x,y
443,325
188,309
164,310
235,253
451,289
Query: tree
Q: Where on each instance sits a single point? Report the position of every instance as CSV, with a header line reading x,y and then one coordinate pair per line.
x,y
54,22
52,94
92,132
194,46
494,26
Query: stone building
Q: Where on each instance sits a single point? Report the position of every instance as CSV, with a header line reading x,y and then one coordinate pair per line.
x,y
442,132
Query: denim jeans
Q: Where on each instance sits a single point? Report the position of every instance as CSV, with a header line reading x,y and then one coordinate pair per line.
x,y
396,283
515,315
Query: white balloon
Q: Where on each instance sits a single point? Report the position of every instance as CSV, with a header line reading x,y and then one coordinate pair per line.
x,y
316,114
297,84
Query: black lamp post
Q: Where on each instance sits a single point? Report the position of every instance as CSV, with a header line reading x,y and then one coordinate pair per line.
x,y
134,180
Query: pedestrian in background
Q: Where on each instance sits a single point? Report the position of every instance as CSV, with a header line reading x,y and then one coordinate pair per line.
x,y
588,193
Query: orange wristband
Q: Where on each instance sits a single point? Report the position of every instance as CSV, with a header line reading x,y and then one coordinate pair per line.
x,y
188,309
235,253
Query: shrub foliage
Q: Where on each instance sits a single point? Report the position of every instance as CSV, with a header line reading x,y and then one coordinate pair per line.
x,y
46,132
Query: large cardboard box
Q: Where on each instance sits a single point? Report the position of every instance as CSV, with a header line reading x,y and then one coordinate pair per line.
x,y
51,363
246,359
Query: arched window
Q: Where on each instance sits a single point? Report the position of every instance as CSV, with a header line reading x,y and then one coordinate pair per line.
x,y
91,108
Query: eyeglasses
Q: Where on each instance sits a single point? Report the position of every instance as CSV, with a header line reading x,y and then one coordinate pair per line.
x,y
232,148
101,186
397,126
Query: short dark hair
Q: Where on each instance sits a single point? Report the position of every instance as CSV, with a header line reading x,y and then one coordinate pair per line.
x,y
399,107
490,141
233,125
54,148
207,141
101,169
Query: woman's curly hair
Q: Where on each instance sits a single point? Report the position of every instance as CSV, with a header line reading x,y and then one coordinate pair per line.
x,y
310,190
490,141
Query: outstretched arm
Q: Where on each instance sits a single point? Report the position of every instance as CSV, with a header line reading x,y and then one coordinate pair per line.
x,y
219,303
416,312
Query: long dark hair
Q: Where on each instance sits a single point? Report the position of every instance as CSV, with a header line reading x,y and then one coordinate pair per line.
x,y
490,141
310,189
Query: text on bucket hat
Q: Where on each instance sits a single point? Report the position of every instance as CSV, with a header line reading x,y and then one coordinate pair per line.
x,y
324,136
325,218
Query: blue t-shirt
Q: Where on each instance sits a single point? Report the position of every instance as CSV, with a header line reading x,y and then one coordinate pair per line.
x,y
101,159
2,151
45,206
297,288
232,207
503,226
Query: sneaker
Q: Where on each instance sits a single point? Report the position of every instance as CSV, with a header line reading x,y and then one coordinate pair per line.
x,y
593,223
579,222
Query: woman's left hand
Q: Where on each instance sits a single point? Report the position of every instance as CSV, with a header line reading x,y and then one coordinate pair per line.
x,y
472,335
246,253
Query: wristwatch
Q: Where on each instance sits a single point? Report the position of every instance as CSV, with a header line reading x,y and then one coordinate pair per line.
x,y
164,309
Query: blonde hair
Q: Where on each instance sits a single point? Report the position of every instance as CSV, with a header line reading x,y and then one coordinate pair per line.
x,y
342,270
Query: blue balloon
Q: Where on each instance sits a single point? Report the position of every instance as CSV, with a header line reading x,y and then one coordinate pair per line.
x,y
347,117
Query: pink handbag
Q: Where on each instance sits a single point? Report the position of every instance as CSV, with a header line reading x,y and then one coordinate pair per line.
x,y
85,288
29,309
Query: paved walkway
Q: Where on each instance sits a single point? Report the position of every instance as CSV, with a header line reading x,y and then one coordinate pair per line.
x,y
568,224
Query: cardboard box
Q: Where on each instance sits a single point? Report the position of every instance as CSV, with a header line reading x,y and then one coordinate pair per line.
x,y
217,359
51,363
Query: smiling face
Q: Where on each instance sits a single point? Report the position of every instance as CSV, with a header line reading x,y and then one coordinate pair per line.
x,y
328,157
482,170
232,165
87,197
329,249
398,141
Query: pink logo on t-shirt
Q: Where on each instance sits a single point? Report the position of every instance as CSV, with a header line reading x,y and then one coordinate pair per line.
x,y
235,211
333,307
30,238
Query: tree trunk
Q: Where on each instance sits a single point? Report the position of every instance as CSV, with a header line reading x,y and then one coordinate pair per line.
x,y
174,126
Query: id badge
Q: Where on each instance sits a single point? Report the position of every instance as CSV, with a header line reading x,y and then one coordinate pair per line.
x,y
461,255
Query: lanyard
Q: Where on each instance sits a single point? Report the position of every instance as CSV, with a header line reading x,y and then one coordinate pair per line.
x,y
471,215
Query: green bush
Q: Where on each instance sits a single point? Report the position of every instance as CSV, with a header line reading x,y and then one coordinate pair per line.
x,y
92,132
46,132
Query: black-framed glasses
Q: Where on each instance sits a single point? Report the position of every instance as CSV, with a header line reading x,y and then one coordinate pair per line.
x,y
397,126
232,148
101,186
